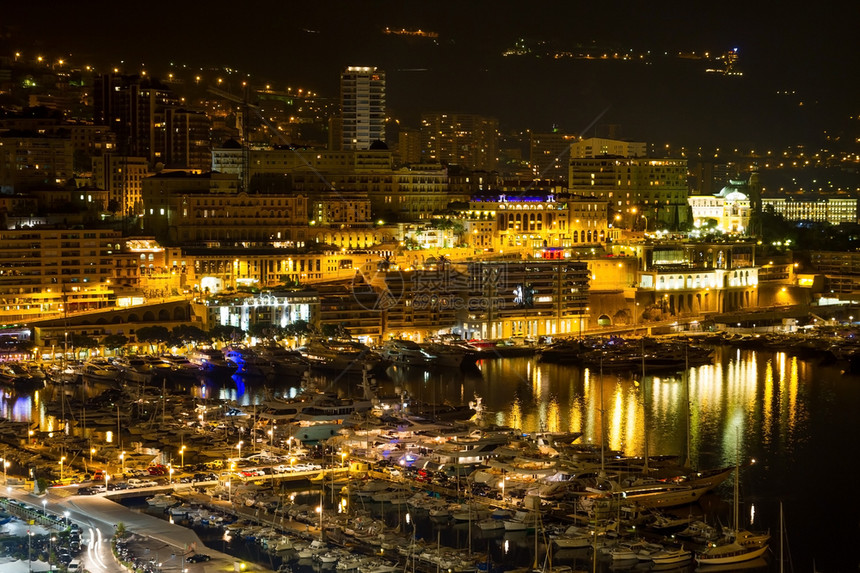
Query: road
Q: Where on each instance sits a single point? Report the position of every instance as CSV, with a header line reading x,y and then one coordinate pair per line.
x,y
97,515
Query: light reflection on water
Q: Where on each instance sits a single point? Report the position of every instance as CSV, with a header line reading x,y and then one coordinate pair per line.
x,y
734,401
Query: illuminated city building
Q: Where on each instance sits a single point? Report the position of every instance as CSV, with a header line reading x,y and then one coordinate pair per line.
x,y
531,220
28,161
523,299
122,178
413,192
646,194
422,302
45,271
464,139
240,218
134,109
688,279
91,139
841,274
549,154
162,198
187,144
362,102
275,308
729,210
592,147
811,207
353,305
217,269
409,146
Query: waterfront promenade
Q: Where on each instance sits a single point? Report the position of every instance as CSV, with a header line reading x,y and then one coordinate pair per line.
x,y
151,537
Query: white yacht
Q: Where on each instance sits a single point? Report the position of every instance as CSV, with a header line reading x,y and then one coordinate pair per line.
x,y
406,352
99,369
341,356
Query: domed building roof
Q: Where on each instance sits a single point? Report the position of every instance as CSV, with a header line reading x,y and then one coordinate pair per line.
x,y
734,186
378,145
736,196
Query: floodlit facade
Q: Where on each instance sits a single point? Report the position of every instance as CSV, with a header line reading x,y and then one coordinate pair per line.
x,y
730,209
122,178
815,208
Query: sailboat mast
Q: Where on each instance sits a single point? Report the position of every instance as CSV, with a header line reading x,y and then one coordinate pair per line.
x,y
645,413
781,539
602,423
736,508
687,404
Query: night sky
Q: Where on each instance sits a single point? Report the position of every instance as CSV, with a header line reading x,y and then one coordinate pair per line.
x,y
812,50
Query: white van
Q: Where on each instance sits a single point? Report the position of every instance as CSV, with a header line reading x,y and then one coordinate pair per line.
x,y
74,565
134,483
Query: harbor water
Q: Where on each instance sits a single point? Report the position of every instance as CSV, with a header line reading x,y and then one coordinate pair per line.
x,y
789,422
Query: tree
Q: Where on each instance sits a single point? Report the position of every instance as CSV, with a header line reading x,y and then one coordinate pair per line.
x,y
226,333
298,328
262,330
115,341
120,530
153,335
183,335
82,341
334,331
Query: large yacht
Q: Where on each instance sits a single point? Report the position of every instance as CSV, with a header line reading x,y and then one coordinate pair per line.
x,y
341,356
212,362
406,352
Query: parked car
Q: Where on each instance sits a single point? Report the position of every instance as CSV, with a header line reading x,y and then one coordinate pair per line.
x,y
198,558
157,470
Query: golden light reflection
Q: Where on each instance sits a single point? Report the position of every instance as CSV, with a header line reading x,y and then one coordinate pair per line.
x,y
792,396
615,429
515,419
635,424
767,402
553,416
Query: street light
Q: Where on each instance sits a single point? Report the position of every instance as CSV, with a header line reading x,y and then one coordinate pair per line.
x,y
342,458
92,451
239,447
170,475
62,460
6,464
182,455
122,463
107,478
